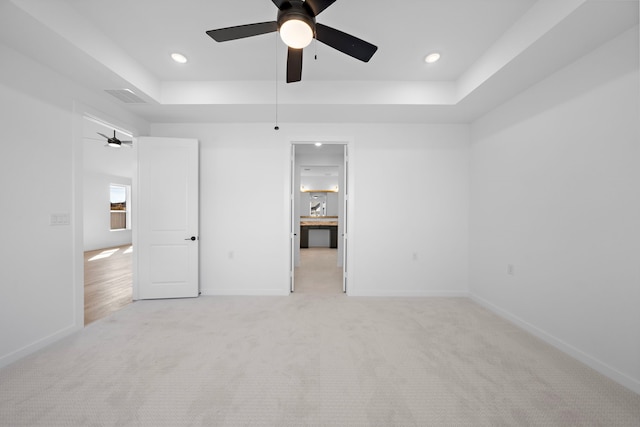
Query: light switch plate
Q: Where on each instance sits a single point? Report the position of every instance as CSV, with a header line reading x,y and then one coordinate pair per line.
x,y
59,219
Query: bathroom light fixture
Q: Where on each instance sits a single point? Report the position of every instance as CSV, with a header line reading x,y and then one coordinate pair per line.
x,y
432,57
179,58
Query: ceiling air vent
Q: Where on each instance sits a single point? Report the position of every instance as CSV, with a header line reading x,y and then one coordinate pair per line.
x,y
126,95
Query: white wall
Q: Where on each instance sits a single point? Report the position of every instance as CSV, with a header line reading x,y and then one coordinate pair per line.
x,y
36,294
40,297
418,206
320,182
555,176
411,207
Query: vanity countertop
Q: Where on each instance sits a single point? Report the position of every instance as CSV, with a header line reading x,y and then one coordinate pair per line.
x,y
311,223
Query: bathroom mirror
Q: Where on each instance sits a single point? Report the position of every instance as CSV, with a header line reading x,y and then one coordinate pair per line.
x,y
317,204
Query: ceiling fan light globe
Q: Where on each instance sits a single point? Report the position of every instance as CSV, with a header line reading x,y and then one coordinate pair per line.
x,y
296,33
113,144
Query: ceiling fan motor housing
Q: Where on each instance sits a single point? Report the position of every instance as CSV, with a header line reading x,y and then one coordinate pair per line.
x,y
298,10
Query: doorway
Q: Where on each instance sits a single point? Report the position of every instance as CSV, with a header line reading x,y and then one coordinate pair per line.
x,y
107,174
318,217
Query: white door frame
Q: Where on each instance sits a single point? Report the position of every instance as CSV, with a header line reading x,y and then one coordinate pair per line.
x,y
293,224
345,217
346,211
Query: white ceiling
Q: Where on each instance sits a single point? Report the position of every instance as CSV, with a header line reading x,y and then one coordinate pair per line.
x,y
491,50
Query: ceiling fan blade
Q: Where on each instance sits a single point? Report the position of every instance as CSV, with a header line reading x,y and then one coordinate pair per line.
x,y
280,4
242,31
345,43
318,6
294,65
103,135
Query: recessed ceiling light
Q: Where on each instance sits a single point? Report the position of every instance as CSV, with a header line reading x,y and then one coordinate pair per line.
x,y
179,58
318,144
432,57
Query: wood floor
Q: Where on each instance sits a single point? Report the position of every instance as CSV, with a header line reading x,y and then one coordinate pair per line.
x,y
107,281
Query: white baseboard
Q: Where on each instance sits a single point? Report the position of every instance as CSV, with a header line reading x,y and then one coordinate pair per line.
x,y
37,345
284,292
606,370
408,294
244,292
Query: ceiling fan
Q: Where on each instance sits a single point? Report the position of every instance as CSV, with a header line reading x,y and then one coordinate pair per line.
x,y
115,142
296,22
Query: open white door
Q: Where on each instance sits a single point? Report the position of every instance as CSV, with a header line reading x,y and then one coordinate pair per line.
x,y
167,218
345,222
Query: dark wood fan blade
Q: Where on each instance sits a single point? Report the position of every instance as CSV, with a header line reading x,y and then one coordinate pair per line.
x,y
345,43
280,4
318,6
242,31
103,135
294,65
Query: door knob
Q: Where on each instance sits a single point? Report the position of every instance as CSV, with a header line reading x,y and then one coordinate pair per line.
x,y
192,238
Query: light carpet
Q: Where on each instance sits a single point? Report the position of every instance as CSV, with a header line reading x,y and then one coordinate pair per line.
x,y
311,360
